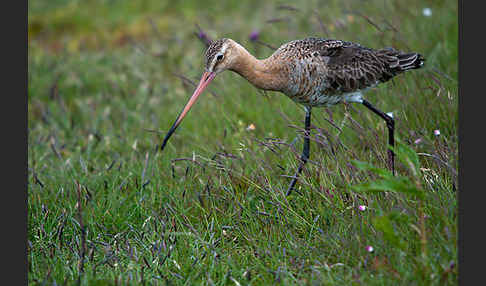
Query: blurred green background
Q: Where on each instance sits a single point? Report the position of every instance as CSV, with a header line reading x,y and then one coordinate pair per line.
x,y
107,78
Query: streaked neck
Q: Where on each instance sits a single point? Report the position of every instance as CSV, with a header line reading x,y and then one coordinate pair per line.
x,y
263,74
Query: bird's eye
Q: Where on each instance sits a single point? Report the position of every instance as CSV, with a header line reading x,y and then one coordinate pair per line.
x,y
219,57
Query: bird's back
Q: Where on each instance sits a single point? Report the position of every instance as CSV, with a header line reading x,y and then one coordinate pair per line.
x,y
326,72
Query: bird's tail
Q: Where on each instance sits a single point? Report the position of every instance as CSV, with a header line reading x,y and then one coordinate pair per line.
x,y
408,61
399,61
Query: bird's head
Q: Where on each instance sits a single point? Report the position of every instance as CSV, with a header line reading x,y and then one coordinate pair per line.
x,y
220,56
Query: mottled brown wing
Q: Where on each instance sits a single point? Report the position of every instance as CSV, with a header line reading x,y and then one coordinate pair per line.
x,y
352,67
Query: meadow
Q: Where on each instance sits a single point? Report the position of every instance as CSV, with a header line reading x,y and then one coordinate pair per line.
x,y
106,80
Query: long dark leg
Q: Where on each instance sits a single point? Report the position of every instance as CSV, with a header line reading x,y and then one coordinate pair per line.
x,y
305,152
390,123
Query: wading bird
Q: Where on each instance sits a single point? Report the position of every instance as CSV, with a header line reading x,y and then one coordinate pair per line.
x,y
313,72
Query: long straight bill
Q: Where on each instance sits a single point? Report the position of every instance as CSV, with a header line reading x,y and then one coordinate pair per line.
x,y
206,78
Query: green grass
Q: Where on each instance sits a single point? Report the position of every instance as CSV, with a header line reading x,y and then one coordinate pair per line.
x,y
105,208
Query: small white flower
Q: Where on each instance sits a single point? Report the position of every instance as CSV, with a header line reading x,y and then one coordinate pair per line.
x,y
362,208
369,248
427,12
250,127
418,141
436,132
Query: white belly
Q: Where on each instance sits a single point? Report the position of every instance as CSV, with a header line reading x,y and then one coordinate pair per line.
x,y
329,100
